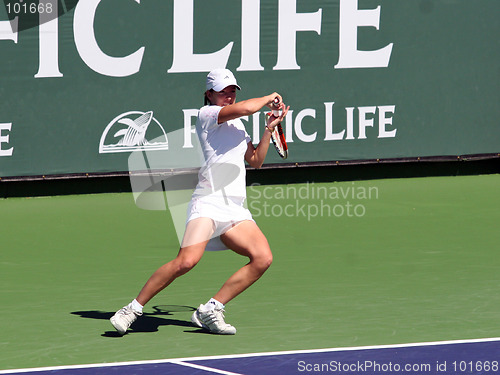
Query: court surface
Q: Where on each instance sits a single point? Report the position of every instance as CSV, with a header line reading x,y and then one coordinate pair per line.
x,y
401,271
466,356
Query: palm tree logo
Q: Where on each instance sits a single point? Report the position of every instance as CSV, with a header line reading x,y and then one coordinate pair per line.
x,y
130,130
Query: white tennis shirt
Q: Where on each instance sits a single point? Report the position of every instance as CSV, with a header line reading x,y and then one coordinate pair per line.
x,y
224,147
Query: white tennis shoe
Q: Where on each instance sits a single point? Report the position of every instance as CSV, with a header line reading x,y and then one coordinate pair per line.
x,y
212,321
124,318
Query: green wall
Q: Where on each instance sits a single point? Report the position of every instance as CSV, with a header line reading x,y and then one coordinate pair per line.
x,y
365,79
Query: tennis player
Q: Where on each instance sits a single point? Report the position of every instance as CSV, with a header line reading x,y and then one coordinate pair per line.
x,y
217,217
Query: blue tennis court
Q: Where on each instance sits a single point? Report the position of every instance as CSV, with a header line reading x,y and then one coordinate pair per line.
x,y
452,357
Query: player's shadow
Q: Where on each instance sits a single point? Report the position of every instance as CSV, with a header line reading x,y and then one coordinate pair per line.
x,y
148,322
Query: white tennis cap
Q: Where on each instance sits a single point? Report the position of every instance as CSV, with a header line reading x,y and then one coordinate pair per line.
x,y
219,79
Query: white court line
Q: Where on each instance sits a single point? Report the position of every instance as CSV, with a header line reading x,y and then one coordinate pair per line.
x,y
341,349
264,354
209,369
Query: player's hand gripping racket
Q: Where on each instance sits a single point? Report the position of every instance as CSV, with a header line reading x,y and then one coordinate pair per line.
x,y
277,135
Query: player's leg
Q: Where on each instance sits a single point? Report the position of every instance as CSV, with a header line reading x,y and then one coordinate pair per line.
x,y
186,259
196,237
246,239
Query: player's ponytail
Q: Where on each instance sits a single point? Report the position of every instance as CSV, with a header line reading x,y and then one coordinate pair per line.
x,y
207,101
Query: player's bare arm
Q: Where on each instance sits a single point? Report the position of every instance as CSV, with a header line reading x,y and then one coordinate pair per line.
x,y
246,107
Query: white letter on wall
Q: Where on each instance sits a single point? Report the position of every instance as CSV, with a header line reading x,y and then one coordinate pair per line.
x,y
185,60
308,112
250,36
5,139
91,54
48,35
350,19
365,122
330,135
189,128
289,22
383,121
8,30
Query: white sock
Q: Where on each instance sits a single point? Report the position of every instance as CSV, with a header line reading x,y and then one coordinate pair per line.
x,y
136,306
212,304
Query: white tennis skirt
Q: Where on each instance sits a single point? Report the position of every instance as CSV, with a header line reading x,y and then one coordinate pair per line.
x,y
225,212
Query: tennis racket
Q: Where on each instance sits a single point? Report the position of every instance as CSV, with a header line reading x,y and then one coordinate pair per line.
x,y
277,135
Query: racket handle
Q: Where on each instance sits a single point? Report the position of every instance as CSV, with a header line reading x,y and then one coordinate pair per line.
x,y
276,102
